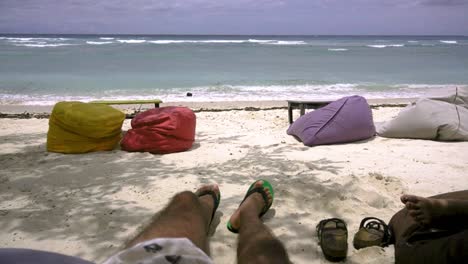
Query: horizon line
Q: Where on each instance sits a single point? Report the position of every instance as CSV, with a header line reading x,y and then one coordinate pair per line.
x,y
299,35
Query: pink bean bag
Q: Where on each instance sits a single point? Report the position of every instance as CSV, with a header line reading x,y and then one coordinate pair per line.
x,y
161,130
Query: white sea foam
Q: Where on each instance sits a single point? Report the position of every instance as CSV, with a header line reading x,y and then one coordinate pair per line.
x,y
131,41
169,41
448,41
24,41
426,86
43,45
413,41
284,42
106,38
385,46
210,41
99,42
261,40
337,49
217,41
222,41
241,93
19,39
12,39
377,46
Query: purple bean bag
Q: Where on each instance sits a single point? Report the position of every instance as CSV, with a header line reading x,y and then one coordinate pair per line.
x,y
345,120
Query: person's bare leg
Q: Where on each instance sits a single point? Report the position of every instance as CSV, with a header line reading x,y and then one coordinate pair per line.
x,y
420,213
187,215
403,224
459,195
256,243
436,212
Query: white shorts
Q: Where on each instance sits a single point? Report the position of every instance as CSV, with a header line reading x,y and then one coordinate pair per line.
x,y
161,250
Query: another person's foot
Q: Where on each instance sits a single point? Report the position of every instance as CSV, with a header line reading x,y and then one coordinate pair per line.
x,y
209,196
254,204
426,211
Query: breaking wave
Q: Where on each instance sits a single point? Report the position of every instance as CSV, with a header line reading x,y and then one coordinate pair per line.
x,y
238,93
99,43
448,41
131,41
43,45
386,46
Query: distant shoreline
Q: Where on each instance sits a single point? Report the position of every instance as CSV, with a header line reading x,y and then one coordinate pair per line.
x,y
43,111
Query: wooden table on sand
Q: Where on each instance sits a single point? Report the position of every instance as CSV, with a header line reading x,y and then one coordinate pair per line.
x,y
156,102
303,105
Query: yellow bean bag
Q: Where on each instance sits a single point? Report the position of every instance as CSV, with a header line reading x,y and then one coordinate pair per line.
x,y
76,127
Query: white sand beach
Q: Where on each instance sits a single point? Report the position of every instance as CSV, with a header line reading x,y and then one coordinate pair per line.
x,y
88,205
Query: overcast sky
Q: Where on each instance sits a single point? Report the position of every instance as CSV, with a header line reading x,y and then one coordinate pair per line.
x,y
308,17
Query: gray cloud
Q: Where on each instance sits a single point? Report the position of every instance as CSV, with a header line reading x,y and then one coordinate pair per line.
x,y
444,2
168,6
235,16
140,5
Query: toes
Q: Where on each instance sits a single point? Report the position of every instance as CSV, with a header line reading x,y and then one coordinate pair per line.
x,y
409,198
414,214
422,220
412,206
210,187
419,218
268,193
403,199
259,183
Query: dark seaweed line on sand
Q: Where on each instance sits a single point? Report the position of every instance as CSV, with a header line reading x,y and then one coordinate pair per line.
x,y
26,115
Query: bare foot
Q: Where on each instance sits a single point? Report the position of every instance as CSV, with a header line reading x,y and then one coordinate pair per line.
x,y
254,204
207,200
426,210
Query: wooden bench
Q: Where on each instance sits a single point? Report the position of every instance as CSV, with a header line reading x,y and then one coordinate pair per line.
x,y
156,102
303,105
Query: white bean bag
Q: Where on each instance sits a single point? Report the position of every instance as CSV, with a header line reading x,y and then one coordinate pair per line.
x,y
455,95
429,119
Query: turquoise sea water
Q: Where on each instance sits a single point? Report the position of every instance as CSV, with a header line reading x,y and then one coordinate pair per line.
x,y
44,69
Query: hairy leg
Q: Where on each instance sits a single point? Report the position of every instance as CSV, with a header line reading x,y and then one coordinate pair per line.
x,y
256,243
187,215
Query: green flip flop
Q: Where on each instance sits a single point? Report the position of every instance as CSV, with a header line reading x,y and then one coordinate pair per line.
x,y
260,190
216,200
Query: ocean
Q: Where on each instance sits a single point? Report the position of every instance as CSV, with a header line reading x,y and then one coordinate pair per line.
x,y
44,69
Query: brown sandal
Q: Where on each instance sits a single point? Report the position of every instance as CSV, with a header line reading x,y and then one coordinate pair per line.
x,y
333,236
372,232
